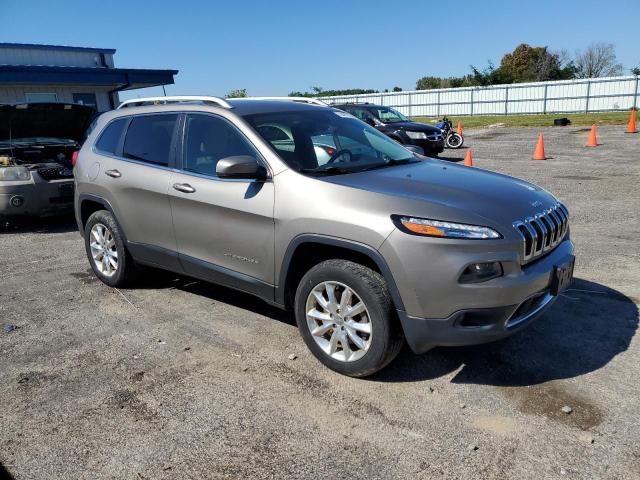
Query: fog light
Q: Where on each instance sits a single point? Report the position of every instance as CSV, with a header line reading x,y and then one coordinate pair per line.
x,y
481,272
17,201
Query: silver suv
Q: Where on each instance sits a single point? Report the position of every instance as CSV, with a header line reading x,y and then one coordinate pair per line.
x,y
370,246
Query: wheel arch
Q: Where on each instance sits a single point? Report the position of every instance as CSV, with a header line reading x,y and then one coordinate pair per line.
x,y
307,250
89,204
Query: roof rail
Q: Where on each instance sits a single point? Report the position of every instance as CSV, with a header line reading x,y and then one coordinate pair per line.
x,y
138,102
312,101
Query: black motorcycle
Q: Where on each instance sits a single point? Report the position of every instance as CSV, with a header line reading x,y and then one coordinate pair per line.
x,y
452,139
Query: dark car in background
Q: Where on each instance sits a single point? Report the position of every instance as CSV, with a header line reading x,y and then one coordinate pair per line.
x,y
37,144
397,126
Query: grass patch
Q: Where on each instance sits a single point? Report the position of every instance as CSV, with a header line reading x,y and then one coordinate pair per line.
x,y
604,118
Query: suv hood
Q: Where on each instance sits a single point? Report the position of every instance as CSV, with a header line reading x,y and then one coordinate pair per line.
x,y
52,120
414,126
495,197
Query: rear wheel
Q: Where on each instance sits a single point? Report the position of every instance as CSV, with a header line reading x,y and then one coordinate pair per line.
x,y
454,140
106,251
346,317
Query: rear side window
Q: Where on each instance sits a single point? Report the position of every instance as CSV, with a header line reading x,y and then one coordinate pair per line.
x,y
148,138
110,137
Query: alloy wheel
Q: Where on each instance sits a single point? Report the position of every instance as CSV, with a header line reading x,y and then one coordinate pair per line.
x,y
104,250
339,321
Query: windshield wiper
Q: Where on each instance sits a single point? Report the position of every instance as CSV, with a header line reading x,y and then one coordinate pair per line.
x,y
325,171
391,163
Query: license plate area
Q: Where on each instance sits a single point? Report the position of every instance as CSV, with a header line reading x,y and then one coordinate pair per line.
x,y
562,277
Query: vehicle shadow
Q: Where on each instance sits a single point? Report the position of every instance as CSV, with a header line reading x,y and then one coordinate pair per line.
x,y
587,327
162,279
4,473
59,224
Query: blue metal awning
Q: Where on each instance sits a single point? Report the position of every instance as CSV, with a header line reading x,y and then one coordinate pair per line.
x,y
123,78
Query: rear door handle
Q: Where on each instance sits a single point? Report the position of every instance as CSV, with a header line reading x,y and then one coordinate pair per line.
x,y
113,173
183,187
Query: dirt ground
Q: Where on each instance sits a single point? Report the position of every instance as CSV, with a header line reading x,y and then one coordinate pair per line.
x,y
177,379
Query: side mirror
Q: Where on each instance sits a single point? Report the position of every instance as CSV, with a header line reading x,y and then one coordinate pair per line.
x,y
240,166
415,149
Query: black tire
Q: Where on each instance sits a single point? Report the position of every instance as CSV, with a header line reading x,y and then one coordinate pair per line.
x,y
454,140
126,268
386,335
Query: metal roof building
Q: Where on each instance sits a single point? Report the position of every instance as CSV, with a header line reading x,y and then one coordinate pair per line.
x,y
51,73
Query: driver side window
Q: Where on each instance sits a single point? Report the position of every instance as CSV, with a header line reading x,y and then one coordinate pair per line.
x,y
209,139
362,114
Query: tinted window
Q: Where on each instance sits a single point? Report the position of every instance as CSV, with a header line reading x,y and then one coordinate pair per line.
x,y
209,139
273,134
110,137
361,113
148,138
85,99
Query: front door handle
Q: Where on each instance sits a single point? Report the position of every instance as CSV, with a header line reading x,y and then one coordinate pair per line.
x,y
113,173
183,187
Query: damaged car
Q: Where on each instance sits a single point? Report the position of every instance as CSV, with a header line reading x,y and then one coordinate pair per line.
x,y
38,142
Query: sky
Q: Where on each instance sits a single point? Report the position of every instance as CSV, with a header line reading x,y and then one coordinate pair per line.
x,y
278,46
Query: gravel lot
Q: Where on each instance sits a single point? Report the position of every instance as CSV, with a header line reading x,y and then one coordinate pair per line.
x,y
181,379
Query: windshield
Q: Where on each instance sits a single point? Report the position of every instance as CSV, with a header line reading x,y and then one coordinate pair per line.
x,y
389,115
327,142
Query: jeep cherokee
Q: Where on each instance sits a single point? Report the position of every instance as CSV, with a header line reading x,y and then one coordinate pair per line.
x,y
369,247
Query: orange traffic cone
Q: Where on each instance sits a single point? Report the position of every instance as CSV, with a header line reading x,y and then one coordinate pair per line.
x,y
593,141
459,129
538,154
468,159
631,128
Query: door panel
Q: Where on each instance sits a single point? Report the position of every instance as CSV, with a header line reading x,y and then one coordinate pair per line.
x,y
224,225
136,178
139,196
227,223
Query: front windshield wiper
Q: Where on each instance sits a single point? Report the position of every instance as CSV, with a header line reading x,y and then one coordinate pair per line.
x,y
325,171
391,163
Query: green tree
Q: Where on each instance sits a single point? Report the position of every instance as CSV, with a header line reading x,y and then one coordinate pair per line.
x,y
397,89
238,93
635,71
533,64
428,83
320,92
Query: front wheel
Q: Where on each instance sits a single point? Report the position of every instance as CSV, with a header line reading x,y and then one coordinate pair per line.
x,y
454,140
346,317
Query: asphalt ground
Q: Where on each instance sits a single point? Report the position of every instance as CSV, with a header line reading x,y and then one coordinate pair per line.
x,y
181,379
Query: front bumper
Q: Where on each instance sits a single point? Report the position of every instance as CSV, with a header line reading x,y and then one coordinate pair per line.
x,y
36,198
438,310
487,325
429,146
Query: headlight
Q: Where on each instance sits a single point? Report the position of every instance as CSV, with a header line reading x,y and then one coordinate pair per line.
x,y
416,135
437,228
15,173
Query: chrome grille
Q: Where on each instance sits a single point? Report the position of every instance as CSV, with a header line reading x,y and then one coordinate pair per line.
x,y
543,231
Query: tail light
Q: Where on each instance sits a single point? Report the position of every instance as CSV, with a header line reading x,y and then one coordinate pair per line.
x,y
74,158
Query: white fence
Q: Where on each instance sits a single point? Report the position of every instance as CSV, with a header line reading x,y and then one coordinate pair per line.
x,y
565,96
